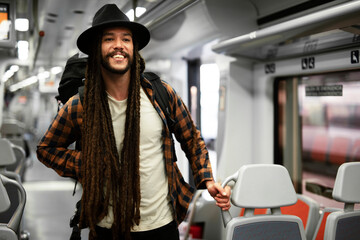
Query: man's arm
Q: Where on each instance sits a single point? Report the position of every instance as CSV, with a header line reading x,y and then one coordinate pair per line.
x,y
190,139
198,157
52,149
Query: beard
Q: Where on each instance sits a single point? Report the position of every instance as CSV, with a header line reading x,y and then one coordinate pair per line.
x,y
106,64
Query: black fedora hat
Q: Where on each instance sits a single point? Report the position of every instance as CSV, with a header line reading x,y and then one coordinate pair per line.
x,y
109,16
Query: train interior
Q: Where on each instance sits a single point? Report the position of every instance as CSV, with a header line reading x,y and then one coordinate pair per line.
x,y
272,85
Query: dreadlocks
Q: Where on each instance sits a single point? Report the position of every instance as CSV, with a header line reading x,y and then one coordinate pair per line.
x,y
107,178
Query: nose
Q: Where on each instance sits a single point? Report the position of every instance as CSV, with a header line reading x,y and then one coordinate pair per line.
x,y
118,44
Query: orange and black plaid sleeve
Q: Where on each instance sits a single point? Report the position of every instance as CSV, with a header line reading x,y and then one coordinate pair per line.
x,y
197,154
53,148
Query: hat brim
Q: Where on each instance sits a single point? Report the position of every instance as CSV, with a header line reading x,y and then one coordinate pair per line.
x,y
140,33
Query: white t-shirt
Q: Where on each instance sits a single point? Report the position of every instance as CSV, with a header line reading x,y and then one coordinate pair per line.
x,y
155,206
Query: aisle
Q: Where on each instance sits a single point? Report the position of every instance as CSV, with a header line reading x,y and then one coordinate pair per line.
x,y
50,203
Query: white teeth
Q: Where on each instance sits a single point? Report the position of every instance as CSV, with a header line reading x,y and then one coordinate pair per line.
x,y
118,56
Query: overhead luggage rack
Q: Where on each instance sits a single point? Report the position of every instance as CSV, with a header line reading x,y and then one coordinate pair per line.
x,y
325,30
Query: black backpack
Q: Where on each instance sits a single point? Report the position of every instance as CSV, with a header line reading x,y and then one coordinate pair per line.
x,y
72,82
72,77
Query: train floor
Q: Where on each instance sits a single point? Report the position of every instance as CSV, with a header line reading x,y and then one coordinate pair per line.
x,y
50,203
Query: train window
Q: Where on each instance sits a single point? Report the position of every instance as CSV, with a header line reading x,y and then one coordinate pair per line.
x,y
317,128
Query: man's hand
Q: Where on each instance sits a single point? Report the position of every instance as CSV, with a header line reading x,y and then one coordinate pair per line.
x,y
221,195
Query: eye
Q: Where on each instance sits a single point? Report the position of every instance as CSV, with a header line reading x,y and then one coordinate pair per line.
x,y
107,39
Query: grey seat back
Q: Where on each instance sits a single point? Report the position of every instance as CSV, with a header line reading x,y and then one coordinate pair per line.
x,y
345,224
8,158
8,230
262,186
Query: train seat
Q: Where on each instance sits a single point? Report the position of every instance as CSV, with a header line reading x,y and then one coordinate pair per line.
x,y
257,211
12,157
12,128
262,186
14,131
203,219
308,210
8,158
320,227
345,224
8,229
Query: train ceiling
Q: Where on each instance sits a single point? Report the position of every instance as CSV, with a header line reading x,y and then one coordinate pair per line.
x,y
174,24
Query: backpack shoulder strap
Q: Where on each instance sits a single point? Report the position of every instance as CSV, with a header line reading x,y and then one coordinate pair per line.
x,y
161,96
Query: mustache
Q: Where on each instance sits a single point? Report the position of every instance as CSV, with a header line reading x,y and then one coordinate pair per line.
x,y
115,52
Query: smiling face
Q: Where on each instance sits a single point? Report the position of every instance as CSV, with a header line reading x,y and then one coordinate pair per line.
x,y
117,50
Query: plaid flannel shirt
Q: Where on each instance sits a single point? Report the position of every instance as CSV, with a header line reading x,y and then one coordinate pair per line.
x,y
65,129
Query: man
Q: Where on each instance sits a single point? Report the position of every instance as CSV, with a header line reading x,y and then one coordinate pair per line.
x,y
132,188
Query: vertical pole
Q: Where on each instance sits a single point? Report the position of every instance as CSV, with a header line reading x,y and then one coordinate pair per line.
x,y
134,7
194,98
